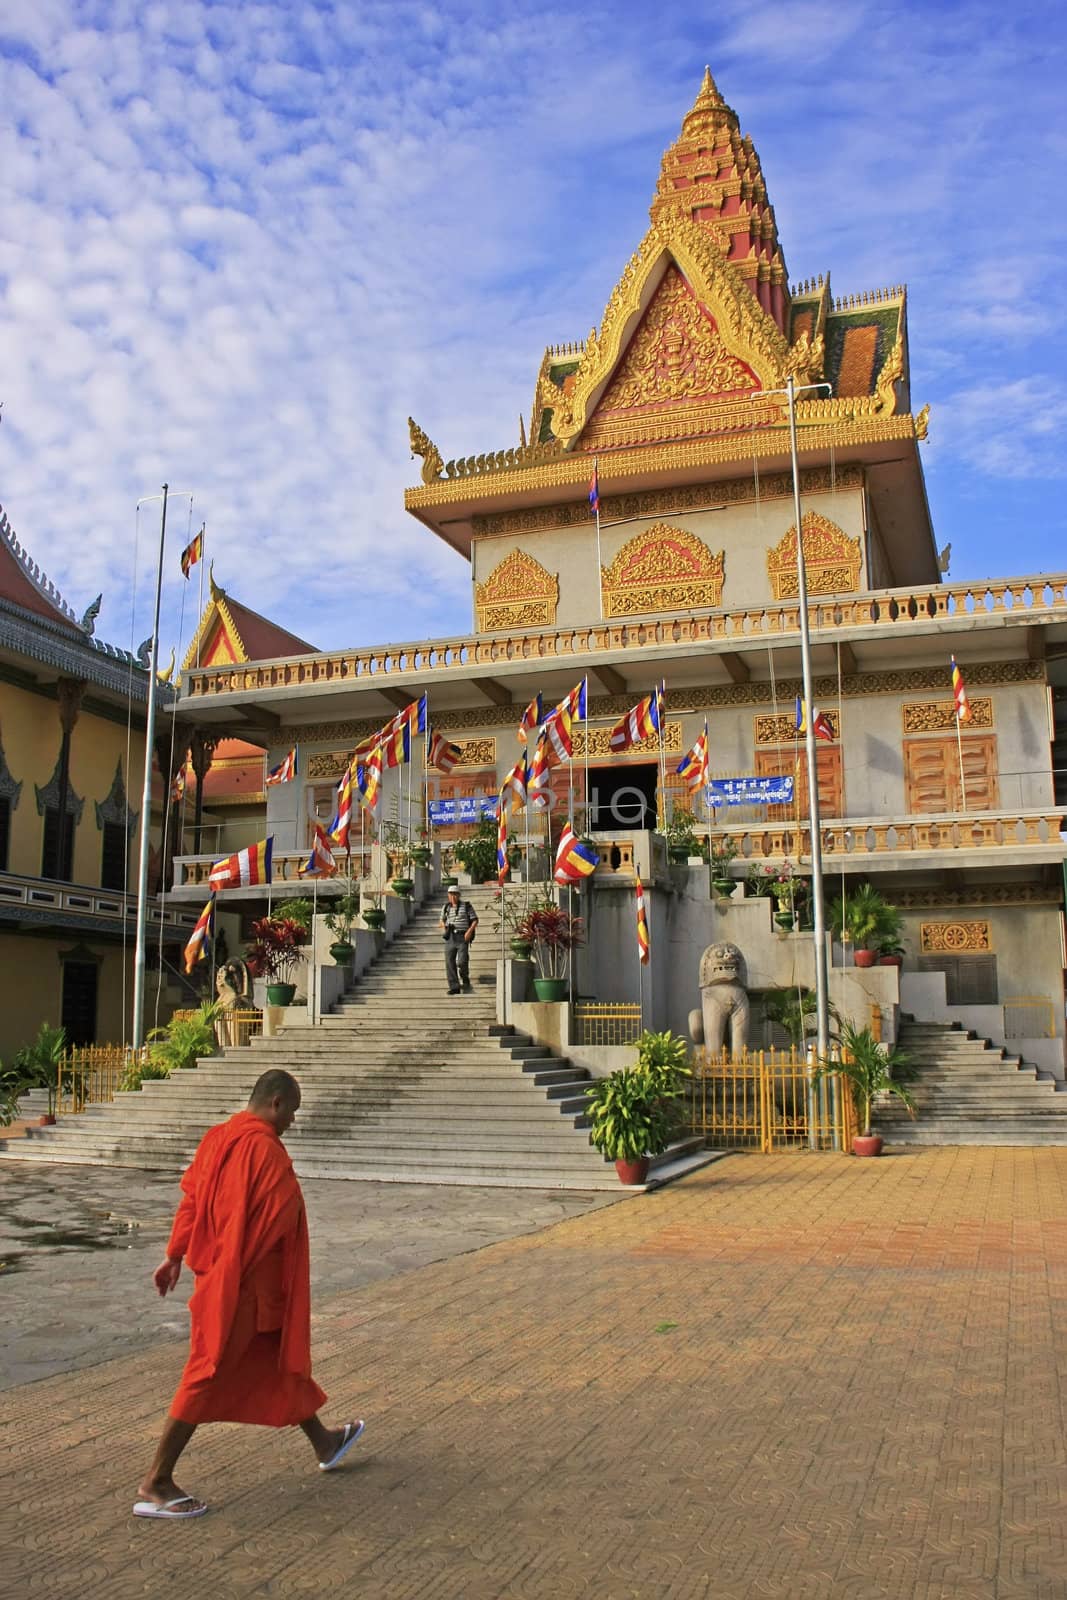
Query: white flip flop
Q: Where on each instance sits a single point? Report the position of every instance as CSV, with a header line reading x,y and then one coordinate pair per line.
x,y
351,1434
168,1512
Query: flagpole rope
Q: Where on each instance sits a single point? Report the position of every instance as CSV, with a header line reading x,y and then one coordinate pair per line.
x,y
129,751
166,800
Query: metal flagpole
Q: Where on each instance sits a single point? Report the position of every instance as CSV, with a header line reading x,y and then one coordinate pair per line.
x,y
959,746
599,562
585,735
200,595
137,1029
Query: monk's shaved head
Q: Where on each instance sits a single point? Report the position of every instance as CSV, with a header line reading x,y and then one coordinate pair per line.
x,y
275,1085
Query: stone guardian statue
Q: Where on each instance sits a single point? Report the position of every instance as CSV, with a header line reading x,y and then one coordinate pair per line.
x,y
723,1001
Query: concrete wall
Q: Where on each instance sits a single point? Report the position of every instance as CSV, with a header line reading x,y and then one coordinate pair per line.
x,y
744,534
33,980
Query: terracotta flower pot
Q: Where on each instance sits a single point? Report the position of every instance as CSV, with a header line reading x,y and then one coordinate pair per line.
x,y
867,1144
632,1171
46,1120
890,961
864,958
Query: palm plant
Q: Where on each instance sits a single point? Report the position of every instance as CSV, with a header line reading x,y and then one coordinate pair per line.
x,y
870,1069
40,1063
863,917
184,1040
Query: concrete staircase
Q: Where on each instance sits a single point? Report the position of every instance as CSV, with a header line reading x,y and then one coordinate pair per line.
x,y
401,1083
969,1091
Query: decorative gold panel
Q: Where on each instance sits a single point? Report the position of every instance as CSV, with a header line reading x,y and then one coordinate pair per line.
x,y
662,569
518,593
782,729
330,765
939,716
476,753
950,938
831,559
599,746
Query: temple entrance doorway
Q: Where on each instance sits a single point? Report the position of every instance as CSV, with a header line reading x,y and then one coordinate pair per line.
x,y
623,796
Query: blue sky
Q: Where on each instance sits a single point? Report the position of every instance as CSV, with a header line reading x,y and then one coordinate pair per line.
x,y
241,242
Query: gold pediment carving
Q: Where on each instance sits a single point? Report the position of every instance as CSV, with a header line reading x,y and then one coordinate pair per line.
x,y
936,938
746,336
662,568
831,559
519,592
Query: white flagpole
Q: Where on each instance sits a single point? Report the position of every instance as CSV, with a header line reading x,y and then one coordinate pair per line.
x,y
585,735
200,594
959,746
599,562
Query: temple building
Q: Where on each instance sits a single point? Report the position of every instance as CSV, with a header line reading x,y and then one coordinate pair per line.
x,y
674,407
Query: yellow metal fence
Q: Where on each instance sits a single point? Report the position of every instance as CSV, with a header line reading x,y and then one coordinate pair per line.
x,y
611,1022
91,1075
766,1100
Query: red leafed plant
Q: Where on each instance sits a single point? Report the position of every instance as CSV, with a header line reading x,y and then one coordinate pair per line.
x,y
552,934
275,948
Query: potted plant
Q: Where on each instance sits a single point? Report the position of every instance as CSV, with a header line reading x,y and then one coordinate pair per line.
x,y
476,852
422,852
722,856
510,912
398,849
665,1058
633,1113
680,834
448,877
371,910
551,934
863,919
39,1065
870,1069
890,953
785,890
274,953
344,910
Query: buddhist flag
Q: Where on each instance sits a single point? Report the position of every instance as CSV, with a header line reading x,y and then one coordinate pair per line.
x,y
820,722
694,766
415,714
538,781
637,725
959,694
594,491
516,781
531,719
244,870
573,705
394,741
369,781
442,754
320,863
339,828
574,860
201,936
501,840
193,553
284,771
177,788
644,944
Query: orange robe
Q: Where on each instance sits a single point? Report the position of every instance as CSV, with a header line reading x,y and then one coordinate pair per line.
x,y
242,1229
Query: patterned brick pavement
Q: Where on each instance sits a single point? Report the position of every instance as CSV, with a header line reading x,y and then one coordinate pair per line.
x,y
855,1391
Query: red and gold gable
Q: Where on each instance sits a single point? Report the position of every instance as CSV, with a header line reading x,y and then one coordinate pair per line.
x,y
676,376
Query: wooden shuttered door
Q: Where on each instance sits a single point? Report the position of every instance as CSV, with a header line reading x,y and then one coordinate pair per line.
x,y
969,980
932,774
785,763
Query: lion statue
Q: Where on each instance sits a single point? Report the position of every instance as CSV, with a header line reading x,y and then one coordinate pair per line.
x,y
723,999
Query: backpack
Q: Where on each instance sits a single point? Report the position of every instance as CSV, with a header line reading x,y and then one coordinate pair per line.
x,y
471,913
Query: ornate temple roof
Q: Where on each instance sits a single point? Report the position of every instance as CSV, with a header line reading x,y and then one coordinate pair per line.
x,y
230,632
25,585
699,334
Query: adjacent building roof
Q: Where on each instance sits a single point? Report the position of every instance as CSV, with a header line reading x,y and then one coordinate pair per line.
x,y
230,632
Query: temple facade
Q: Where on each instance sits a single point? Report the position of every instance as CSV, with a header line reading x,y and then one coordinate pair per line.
x,y
690,576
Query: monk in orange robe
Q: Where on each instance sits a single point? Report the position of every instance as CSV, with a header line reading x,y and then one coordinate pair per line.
x,y
242,1228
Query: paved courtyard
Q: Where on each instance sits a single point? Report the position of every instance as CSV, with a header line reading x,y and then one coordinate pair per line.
x,y
791,1376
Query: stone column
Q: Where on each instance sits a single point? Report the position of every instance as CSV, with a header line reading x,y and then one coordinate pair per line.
x,y
69,692
201,752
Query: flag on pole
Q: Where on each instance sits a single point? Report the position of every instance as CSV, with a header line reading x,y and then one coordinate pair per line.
x,y
531,719
959,694
694,766
594,491
369,781
637,725
321,862
201,936
573,704
338,829
538,781
192,553
284,771
574,860
516,781
643,942
501,840
394,741
820,722
245,869
177,788
415,714
556,737
442,754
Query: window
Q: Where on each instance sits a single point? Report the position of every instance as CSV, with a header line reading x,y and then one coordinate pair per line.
x,y
5,831
78,1004
932,774
969,980
785,762
57,856
113,862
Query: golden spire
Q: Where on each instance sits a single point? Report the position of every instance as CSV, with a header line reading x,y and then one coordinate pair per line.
x,y
709,95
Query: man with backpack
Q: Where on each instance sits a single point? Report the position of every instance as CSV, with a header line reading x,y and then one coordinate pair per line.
x,y
459,920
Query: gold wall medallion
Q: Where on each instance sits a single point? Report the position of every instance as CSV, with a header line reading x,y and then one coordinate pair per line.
x,y
518,593
662,569
954,938
600,746
831,559
781,727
